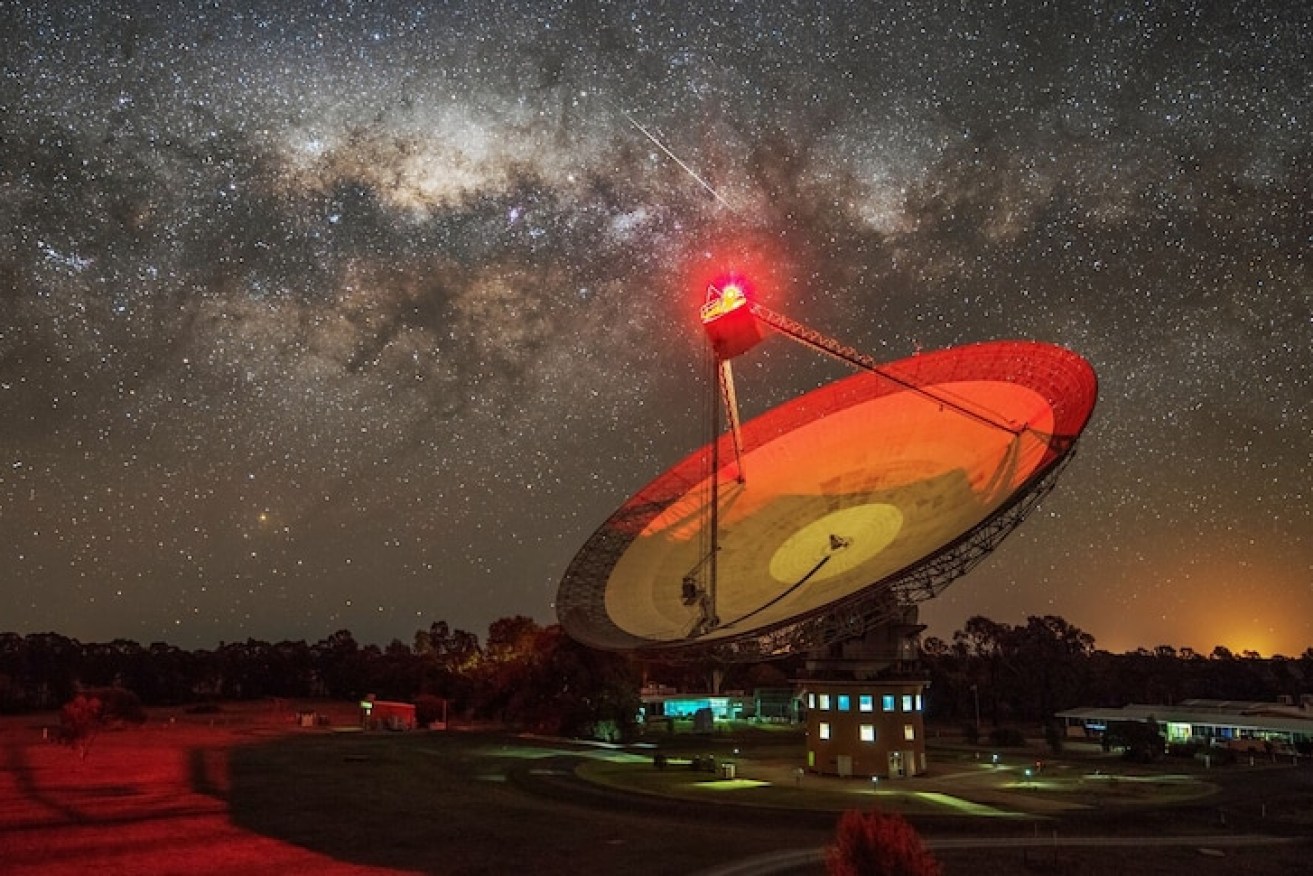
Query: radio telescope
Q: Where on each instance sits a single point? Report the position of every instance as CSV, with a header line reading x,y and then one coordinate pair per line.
x,y
832,513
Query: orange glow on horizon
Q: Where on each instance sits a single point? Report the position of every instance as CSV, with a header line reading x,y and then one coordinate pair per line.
x,y
1198,591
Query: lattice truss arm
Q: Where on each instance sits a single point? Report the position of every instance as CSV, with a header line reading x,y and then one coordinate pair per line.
x,y
817,341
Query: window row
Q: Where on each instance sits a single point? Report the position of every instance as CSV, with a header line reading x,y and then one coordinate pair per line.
x,y
865,702
866,732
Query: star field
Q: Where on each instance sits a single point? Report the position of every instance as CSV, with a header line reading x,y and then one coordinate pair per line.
x,y
317,316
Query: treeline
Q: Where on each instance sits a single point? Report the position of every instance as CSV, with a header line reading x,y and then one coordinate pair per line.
x,y
523,675
536,677
1021,674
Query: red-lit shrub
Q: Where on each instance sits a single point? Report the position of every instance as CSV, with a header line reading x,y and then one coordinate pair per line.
x,y
79,721
876,843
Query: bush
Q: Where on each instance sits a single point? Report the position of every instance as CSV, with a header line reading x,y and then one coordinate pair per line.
x,y
117,705
80,720
876,843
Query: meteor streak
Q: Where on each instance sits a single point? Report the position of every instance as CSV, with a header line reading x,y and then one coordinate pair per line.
x,y
675,158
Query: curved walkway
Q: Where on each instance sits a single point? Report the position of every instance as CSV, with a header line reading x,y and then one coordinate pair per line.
x,y
806,860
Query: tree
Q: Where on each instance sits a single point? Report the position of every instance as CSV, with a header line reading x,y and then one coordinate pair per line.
x,y
877,843
511,637
761,675
982,643
1142,740
80,720
89,711
341,665
934,646
561,687
49,669
447,662
1050,656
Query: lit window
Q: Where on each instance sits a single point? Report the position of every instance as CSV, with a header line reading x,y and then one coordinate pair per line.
x,y
887,703
867,732
907,702
866,703
824,730
909,732
918,703
811,700
825,702
845,703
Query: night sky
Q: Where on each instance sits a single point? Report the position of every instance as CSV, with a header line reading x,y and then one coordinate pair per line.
x,y
319,316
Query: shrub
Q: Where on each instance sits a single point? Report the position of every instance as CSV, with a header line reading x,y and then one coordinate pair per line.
x,y
118,705
80,719
876,843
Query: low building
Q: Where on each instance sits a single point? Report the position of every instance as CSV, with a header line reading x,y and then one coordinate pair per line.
x,y
666,702
386,715
1258,726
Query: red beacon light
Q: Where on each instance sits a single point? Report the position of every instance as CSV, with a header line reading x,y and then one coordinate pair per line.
x,y
729,322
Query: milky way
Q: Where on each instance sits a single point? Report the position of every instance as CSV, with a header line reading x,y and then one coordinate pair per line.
x,y
364,316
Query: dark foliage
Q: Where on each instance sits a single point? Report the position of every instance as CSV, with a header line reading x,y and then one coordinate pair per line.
x,y
990,675
877,843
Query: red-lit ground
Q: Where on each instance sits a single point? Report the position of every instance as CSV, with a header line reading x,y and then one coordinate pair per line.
x,y
144,800
253,793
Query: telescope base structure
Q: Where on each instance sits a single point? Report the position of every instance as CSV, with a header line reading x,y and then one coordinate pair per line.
x,y
865,701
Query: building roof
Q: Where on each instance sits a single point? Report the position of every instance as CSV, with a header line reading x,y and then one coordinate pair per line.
x,y
1256,716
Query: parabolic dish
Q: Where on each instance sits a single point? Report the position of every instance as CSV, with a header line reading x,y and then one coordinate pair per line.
x,y
849,489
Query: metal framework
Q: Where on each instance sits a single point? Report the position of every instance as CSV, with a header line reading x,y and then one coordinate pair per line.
x,y
817,341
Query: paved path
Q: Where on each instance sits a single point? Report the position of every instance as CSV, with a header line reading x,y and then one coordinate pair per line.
x,y
807,860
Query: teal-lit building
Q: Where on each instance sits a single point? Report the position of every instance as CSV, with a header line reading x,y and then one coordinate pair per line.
x,y
765,704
